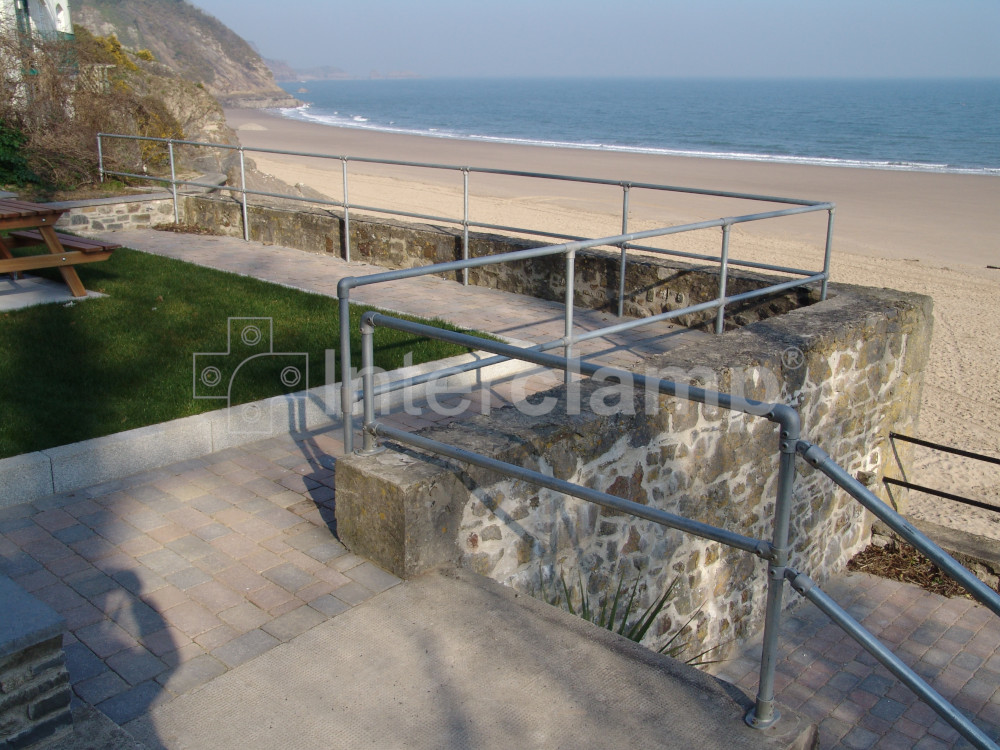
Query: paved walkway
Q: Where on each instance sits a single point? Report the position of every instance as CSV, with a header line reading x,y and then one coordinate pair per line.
x,y
172,578
954,644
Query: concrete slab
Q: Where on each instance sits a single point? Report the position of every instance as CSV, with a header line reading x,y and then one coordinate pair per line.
x,y
32,290
450,660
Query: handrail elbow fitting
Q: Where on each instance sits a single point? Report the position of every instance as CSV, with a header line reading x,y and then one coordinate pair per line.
x,y
344,286
787,418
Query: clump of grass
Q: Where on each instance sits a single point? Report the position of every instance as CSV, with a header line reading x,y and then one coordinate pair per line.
x,y
620,615
91,368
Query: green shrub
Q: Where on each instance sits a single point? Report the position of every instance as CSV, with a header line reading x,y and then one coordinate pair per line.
x,y
14,169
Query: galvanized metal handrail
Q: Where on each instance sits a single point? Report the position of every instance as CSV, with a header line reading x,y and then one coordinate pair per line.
x,y
466,222
775,552
569,250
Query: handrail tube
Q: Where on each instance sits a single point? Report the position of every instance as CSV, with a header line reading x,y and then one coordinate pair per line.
x,y
944,448
720,314
827,253
536,252
774,289
351,282
489,260
659,317
100,158
476,225
568,311
763,714
489,170
715,259
626,188
481,225
779,413
940,493
820,459
384,388
758,547
397,385
243,202
523,230
346,378
715,303
407,214
805,586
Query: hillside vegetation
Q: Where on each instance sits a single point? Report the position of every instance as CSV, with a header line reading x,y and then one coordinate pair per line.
x,y
192,43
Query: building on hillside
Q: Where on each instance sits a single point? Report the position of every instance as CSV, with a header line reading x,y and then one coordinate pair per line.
x,y
46,19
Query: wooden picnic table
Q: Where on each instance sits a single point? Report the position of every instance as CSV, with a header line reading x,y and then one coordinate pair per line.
x,y
29,223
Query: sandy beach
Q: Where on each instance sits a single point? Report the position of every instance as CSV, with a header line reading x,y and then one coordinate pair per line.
x,y
934,234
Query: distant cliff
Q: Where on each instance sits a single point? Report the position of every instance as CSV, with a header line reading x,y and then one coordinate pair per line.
x,y
194,44
286,73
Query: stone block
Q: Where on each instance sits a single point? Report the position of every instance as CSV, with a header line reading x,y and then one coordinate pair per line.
x,y
25,478
34,683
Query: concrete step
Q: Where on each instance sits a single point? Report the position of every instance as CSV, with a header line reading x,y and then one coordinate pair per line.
x,y
453,660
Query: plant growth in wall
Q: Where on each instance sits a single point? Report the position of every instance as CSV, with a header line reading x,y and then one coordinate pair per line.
x,y
621,613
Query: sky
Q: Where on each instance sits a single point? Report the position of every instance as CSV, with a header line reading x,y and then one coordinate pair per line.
x,y
662,38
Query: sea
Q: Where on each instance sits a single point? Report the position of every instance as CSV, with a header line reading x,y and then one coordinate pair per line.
x,y
917,125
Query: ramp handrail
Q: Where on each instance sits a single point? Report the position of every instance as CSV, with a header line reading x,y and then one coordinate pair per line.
x,y
907,484
775,552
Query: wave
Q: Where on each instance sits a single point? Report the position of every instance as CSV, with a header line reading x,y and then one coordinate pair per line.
x,y
362,123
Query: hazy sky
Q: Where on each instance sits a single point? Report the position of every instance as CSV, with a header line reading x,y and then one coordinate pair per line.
x,y
752,38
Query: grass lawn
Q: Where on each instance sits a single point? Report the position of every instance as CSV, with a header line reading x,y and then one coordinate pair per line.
x,y
86,369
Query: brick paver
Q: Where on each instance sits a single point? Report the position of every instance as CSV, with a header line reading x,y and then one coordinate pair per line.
x,y
825,675
168,579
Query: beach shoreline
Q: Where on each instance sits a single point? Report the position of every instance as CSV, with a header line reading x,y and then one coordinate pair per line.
x,y
929,233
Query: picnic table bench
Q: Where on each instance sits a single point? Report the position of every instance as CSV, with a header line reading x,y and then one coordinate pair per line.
x,y
29,223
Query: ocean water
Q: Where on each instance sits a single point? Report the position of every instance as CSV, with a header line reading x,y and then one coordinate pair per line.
x,y
932,125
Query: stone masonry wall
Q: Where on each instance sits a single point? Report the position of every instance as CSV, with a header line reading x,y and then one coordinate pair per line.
x,y
34,683
853,364
653,285
111,214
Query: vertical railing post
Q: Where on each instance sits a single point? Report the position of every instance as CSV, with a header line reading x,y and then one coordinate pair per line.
x,y
243,192
764,714
346,385
624,246
826,255
347,215
720,316
368,385
100,158
465,223
570,294
173,180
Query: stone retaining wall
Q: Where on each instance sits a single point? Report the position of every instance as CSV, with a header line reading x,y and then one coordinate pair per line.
x,y
853,364
653,285
34,683
111,214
